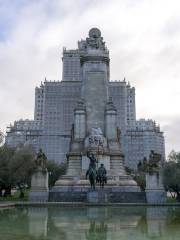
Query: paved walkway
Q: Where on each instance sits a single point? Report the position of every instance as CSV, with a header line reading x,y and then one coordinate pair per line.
x,y
6,204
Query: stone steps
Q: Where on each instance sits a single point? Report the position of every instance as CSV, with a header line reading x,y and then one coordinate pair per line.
x,y
98,196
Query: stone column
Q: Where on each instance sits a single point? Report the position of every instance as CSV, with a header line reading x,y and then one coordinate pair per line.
x,y
116,156
111,121
78,136
80,121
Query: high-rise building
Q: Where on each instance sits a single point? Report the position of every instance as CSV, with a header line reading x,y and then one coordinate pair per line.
x,y
55,102
140,140
39,102
24,132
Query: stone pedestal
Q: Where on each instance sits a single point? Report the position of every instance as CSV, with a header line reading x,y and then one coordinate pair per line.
x,y
39,186
97,196
81,192
74,164
155,192
117,165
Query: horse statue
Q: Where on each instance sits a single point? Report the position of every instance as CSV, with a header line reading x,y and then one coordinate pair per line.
x,y
91,172
101,176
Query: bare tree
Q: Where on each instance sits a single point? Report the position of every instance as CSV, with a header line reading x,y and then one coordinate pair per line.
x,y
1,137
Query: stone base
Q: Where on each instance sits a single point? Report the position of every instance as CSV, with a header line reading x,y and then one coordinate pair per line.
x,y
114,194
39,186
39,180
123,181
156,196
119,188
97,196
39,196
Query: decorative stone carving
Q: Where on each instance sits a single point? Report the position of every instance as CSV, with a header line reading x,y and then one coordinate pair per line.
x,y
96,139
95,40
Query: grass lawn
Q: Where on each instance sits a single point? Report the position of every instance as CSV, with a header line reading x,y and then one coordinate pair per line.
x,y
15,196
171,200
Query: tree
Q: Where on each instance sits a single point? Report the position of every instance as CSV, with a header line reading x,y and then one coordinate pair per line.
x,y
16,167
1,137
21,168
174,156
55,171
171,175
138,175
140,178
6,155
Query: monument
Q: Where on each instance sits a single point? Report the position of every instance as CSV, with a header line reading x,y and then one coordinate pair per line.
x,y
39,180
155,192
95,132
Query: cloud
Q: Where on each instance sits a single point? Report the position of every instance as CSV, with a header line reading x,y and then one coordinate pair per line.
x,y
172,131
143,38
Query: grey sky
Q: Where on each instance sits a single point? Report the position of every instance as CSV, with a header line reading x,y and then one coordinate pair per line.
x,y
143,37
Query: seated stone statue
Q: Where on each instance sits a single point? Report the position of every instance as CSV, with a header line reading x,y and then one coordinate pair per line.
x,y
41,160
154,161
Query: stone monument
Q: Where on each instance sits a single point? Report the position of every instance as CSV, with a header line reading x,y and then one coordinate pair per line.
x,y
95,131
39,180
155,192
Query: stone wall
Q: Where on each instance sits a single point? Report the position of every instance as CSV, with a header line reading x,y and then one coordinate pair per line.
x,y
109,196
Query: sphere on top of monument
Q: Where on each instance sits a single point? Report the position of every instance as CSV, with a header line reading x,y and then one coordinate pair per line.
x,y
94,33
93,42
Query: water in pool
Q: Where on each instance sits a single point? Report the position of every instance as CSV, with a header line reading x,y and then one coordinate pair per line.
x,y
91,223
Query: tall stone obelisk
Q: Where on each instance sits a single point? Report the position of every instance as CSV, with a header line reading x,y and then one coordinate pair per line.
x,y
95,72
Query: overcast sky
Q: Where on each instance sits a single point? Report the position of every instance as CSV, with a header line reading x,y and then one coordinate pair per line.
x,y
143,37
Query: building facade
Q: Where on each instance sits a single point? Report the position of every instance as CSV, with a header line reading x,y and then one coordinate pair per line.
x,y
24,132
55,102
140,140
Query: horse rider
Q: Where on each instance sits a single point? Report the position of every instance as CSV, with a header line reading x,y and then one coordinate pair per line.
x,y
92,159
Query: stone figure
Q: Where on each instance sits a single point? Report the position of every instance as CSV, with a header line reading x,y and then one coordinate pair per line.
x,y
152,165
91,172
96,131
39,180
92,159
41,160
101,175
95,40
118,132
154,162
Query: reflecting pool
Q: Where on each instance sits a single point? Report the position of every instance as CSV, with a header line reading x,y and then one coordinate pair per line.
x,y
90,223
